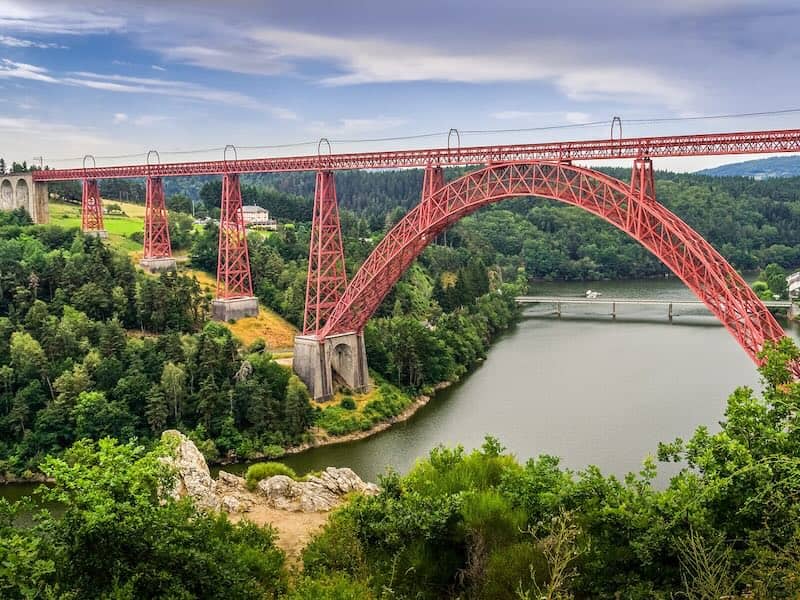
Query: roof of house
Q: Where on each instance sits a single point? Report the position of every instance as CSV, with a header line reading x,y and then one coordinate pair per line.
x,y
251,208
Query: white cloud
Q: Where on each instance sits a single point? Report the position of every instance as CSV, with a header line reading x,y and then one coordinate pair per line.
x,y
13,42
141,85
119,118
366,60
31,135
10,69
56,18
157,68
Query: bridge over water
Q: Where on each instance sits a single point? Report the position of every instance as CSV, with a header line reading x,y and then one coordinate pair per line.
x,y
337,310
558,301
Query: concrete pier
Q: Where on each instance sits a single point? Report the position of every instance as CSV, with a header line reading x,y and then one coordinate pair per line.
x,y
234,308
158,265
100,233
319,364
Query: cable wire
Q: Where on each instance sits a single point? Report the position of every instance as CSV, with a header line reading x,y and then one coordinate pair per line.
x,y
590,124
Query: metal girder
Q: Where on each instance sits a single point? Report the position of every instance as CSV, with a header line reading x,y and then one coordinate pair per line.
x,y
327,278
752,142
631,208
91,207
233,259
156,221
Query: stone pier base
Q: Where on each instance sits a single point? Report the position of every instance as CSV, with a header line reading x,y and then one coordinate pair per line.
x,y
234,308
101,233
158,265
318,363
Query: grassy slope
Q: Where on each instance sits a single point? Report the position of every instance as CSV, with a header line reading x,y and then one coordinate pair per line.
x,y
276,331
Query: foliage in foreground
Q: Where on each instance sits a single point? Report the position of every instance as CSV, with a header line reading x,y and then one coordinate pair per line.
x,y
118,537
480,525
459,525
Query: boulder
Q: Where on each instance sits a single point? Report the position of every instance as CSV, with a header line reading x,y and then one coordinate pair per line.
x,y
193,478
232,504
316,493
231,481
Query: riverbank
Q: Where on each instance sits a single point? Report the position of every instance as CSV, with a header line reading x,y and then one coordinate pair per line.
x,y
322,438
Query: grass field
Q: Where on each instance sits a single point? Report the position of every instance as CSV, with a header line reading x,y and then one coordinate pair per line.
x,y
118,227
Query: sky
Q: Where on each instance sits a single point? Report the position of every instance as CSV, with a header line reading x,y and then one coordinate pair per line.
x,y
186,77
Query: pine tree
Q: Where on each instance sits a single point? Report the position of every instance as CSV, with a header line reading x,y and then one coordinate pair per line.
x,y
156,410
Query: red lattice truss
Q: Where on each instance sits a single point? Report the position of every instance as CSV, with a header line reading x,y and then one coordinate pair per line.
x,y
233,260
91,206
156,221
631,208
704,144
327,278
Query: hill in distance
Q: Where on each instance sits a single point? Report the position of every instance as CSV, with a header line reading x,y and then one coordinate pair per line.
x,y
763,168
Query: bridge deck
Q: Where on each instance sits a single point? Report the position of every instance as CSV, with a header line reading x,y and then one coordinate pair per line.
x,y
745,142
639,301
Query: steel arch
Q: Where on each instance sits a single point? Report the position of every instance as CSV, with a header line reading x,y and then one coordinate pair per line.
x,y
630,208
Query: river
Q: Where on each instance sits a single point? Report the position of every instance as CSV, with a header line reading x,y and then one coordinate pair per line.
x,y
584,387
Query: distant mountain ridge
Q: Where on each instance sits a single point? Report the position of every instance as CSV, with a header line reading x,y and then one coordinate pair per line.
x,y
762,168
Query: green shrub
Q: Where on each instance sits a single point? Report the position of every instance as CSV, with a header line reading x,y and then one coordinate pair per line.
x,y
335,549
348,403
339,421
273,451
333,587
259,471
513,568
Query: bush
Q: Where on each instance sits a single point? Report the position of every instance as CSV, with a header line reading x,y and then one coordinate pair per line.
x,y
513,568
335,587
273,451
259,471
348,403
335,549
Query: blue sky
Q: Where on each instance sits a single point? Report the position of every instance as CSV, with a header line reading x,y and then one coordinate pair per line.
x,y
116,78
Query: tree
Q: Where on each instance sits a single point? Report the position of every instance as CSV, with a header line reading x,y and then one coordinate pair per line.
x,y
179,203
173,382
157,410
299,413
27,356
96,418
775,277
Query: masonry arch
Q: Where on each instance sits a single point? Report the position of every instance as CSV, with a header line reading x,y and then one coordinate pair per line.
x,y
6,195
22,194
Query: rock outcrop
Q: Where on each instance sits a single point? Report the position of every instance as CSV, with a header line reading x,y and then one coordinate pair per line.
x,y
315,493
230,494
193,478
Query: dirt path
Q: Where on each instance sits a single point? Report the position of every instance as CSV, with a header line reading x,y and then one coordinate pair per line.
x,y
295,529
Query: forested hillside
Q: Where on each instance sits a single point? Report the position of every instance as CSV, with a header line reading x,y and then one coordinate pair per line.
x,y
763,168
753,223
90,347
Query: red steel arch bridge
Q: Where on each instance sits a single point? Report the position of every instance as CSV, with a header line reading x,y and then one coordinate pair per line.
x,y
337,310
